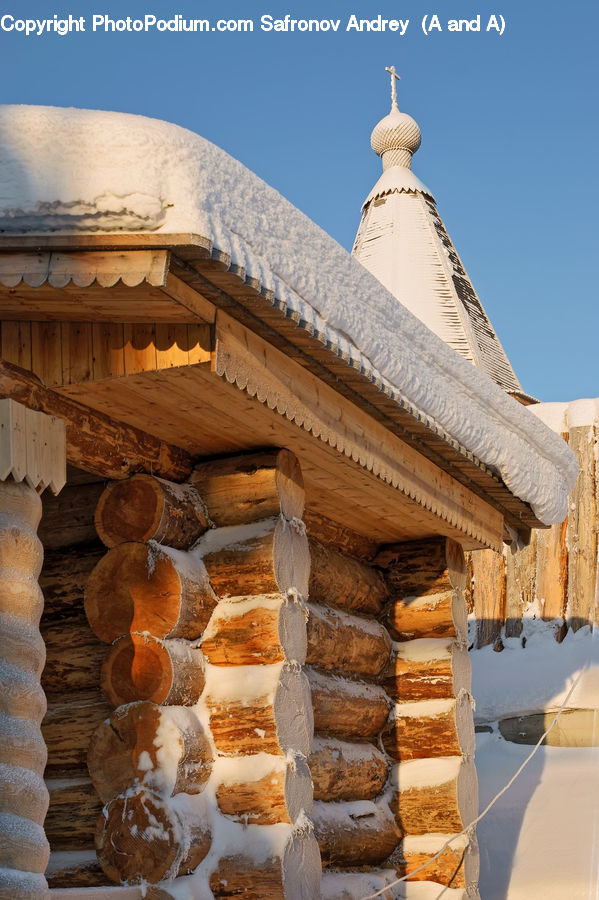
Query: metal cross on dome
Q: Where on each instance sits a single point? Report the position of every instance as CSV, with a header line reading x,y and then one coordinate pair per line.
x,y
394,77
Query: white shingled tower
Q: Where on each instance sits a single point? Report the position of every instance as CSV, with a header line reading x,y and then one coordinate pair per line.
x,y
403,242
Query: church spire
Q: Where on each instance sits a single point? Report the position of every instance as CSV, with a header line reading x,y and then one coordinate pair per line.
x,y
403,242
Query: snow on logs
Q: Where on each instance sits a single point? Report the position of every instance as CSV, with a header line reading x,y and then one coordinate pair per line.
x,y
24,849
259,709
270,862
427,669
163,747
456,867
260,630
430,731
426,581
430,728
262,791
225,621
434,795
142,836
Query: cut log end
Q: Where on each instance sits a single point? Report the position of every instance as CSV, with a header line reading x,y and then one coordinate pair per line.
x,y
140,667
139,743
145,508
140,838
138,587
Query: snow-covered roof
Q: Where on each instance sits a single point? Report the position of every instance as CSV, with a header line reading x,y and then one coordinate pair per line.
x,y
72,171
403,242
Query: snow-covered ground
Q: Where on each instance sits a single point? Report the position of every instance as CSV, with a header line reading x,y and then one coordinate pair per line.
x,y
541,840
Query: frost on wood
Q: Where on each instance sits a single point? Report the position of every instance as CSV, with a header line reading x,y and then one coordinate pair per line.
x,y
112,173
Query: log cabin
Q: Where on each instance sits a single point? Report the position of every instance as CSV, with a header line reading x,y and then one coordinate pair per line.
x,y
239,478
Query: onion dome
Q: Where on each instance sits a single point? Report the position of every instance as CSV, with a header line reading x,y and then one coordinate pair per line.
x,y
397,136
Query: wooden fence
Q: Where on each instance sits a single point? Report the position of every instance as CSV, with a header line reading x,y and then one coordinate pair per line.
x,y
555,576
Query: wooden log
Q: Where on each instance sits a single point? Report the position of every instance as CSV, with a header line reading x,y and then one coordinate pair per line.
x,y
457,867
347,709
19,885
72,814
141,667
22,645
163,747
344,771
68,518
260,630
431,616
144,587
21,693
242,489
259,709
430,728
75,869
266,557
264,790
488,592
23,793
24,845
74,657
24,849
94,441
342,581
418,568
283,870
67,729
552,571
582,530
427,669
21,741
338,641
141,837
361,833
342,538
63,578
145,508
521,576
434,795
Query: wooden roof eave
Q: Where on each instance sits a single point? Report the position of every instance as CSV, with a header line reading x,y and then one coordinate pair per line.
x,y
196,262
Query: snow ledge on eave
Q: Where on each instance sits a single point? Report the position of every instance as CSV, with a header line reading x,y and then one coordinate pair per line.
x,y
81,171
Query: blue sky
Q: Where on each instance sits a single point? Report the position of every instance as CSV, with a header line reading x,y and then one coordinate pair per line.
x,y
509,126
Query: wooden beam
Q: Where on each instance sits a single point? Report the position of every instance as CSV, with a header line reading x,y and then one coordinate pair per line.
x,y
94,441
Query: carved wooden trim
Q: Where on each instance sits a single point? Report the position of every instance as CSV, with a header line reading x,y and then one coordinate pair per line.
x,y
263,372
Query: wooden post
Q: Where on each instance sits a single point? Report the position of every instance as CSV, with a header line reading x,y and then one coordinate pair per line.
x,y
32,456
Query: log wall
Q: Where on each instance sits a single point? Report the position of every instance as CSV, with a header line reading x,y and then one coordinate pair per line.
x,y
555,576
254,676
429,734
